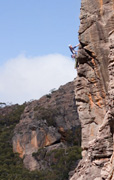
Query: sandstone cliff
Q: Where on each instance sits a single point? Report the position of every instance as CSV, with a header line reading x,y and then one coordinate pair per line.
x,y
94,90
47,124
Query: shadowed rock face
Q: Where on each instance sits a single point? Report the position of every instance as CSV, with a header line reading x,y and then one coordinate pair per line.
x,y
46,122
95,89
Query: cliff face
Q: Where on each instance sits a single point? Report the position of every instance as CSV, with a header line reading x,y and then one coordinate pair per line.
x,y
47,123
95,90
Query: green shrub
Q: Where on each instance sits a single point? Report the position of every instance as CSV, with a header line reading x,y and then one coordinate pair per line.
x,y
49,114
61,162
73,136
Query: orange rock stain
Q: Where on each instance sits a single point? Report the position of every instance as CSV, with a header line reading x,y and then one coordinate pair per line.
x,y
92,132
99,100
98,103
61,129
101,3
19,149
101,7
47,140
93,62
90,101
92,80
34,139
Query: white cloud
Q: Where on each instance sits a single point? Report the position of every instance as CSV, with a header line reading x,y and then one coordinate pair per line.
x,y
23,79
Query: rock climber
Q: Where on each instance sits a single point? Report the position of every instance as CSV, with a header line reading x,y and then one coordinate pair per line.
x,y
74,54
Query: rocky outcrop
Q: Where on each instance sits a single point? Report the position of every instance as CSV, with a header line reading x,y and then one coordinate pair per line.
x,y
95,90
45,123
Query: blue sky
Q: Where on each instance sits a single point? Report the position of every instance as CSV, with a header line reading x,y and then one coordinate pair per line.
x,y
36,28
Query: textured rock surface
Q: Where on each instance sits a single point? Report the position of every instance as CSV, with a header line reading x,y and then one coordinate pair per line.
x,y
95,90
46,122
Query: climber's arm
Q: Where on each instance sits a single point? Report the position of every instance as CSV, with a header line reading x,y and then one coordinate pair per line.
x,y
76,45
